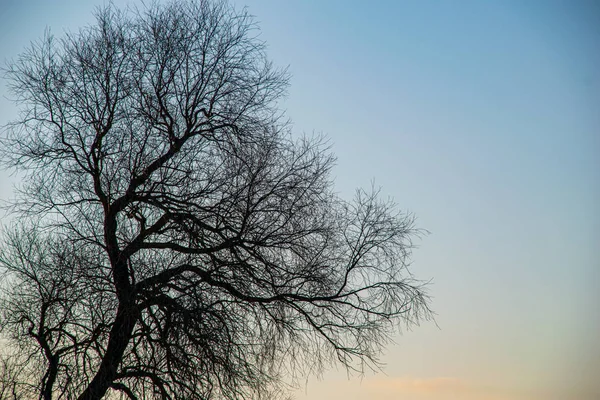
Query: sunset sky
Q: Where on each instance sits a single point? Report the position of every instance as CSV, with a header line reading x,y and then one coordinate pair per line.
x,y
482,118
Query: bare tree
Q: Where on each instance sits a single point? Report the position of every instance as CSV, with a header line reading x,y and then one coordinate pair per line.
x,y
173,239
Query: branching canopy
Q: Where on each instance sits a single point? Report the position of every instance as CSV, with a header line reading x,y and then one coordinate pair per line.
x,y
173,239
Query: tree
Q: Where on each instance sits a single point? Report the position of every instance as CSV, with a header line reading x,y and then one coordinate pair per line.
x,y
174,240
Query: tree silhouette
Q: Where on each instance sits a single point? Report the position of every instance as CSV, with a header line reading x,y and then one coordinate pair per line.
x,y
173,239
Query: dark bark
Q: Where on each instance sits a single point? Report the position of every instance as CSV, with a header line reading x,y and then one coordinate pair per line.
x,y
120,336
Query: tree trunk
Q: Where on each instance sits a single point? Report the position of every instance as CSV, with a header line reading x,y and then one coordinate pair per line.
x,y
120,335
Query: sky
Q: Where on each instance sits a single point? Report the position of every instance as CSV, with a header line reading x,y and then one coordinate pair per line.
x,y
483,119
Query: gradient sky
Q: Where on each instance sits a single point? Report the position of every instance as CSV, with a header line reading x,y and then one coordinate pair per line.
x,y
482,118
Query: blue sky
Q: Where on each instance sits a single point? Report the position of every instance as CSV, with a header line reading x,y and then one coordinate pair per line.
x,y
482,118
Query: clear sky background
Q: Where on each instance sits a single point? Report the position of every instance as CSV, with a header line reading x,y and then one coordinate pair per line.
x,y
482,118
